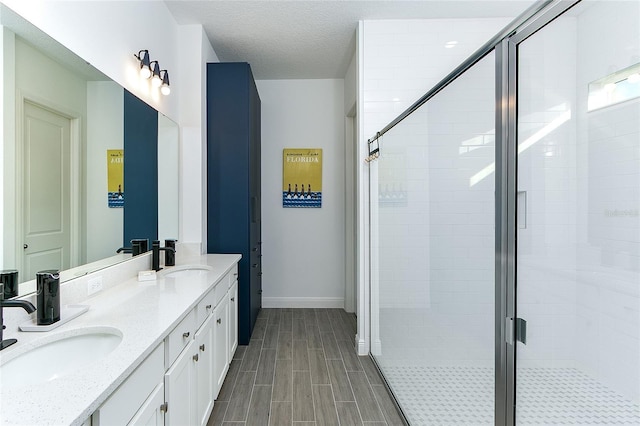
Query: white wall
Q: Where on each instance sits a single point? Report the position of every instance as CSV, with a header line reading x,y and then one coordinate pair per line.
x,y
607,294
196,51
303,261
105,130
107,34
403,59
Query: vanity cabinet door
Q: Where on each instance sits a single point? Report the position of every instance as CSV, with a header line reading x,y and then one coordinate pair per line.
x,y
152,411
233,320
221,342
204,371
180,389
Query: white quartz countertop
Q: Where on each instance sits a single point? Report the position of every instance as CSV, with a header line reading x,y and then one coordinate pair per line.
x,y
144,312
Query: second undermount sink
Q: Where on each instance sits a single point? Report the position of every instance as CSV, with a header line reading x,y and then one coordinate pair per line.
x,y
188,271
59,357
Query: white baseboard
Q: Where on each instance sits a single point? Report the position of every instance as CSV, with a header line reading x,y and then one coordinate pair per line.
x,y
361,347
303,302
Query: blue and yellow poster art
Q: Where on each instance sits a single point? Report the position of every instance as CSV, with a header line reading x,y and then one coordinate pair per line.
x,y
115,177
302,177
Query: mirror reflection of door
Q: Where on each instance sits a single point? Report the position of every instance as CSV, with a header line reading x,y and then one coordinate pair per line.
x,y
46,188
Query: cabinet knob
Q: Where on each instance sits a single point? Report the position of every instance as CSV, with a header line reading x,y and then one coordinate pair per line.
x,y
202,347
195,357
235,274
208,306
164,407
233,299
255,265
185,335
219,320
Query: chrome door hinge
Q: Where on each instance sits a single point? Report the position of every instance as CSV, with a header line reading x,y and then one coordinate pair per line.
x,y
515,332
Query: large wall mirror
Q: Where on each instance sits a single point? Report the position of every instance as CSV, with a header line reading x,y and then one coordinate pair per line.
x,y
60,118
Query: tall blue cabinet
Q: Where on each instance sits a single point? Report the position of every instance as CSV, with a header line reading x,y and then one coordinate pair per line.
x,y
233,181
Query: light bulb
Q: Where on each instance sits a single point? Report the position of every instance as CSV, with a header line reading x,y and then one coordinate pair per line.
x,y
145,72
156,81
165,89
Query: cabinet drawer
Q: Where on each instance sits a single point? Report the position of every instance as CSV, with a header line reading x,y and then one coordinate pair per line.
x,y
179,338
205,307
221,290
123,404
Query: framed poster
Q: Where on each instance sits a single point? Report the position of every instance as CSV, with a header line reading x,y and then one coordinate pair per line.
x,y
115,178
302,177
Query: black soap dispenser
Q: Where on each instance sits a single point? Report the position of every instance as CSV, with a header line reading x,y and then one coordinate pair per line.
x,y
48,296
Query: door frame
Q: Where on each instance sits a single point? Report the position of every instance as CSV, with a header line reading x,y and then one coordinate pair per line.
x,y
75,173
506,187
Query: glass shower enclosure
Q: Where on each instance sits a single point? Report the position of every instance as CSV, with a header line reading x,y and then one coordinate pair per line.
x,y
505,231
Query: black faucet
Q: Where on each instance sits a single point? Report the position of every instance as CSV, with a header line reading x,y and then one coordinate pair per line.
x,y
27,306
155,248
138,246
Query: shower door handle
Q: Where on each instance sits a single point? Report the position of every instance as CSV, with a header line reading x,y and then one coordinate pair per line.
x,y
515,330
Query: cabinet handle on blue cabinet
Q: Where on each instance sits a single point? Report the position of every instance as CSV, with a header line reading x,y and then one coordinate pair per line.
x,y
195,357
255,265
202,347
219,320
185,335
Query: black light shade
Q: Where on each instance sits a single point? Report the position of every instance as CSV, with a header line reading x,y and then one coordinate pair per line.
x,y
145,65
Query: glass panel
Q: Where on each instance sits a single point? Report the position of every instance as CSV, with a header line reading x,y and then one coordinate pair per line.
x,y
578,236
433,255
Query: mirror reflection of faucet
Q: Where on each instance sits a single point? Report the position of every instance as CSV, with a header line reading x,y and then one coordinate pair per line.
x,y
138,246
27,306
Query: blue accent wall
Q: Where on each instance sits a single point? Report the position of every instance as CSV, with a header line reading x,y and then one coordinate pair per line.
x,y
140,170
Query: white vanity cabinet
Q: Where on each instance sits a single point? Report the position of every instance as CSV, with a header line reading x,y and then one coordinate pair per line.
x,y
204,371
152,411
233,319
134,394
179,381
180,388
221,344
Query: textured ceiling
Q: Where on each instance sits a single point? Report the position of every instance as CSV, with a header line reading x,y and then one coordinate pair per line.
x,y
312,39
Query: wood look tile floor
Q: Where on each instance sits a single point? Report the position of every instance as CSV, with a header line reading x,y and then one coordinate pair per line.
x,y
301,368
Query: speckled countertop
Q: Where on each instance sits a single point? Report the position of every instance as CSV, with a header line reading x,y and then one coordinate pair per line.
x,y
144,312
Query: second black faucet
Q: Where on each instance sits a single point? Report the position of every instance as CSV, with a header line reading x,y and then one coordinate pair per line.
x,y
169,255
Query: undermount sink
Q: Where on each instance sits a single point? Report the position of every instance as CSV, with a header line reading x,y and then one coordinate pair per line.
x,y
188,271
56,358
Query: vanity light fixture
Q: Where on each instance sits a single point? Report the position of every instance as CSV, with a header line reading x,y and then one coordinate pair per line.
x,y
145,65
156,81
165,89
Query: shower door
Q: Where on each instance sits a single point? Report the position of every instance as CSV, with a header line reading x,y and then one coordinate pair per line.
x,y
577,218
